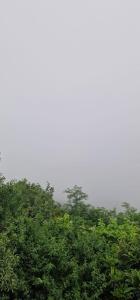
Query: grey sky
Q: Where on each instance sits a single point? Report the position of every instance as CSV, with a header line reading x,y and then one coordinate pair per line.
x,y
70,95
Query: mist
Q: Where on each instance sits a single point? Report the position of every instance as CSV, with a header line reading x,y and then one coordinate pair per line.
x,y
70,96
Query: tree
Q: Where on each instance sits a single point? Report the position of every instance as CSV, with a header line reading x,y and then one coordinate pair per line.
x,y
52,251
75,195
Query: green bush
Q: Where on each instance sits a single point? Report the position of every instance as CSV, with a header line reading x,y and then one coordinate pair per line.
x,y
71,251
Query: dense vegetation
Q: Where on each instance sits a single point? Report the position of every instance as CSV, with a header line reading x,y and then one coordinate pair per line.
x,y
71,251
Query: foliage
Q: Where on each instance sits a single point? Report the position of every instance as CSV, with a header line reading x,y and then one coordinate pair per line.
x,y
71,251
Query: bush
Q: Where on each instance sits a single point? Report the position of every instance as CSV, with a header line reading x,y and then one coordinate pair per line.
x,y
75,251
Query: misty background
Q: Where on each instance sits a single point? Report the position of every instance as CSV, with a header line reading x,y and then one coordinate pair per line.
x,y
70,96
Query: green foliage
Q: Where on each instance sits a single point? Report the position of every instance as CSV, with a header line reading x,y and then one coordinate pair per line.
x,y
72,251
8,264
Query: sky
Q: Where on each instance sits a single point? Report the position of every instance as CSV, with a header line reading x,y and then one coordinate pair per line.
x,y
70,96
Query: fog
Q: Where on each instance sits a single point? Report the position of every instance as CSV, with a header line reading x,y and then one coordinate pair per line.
x,y
70,96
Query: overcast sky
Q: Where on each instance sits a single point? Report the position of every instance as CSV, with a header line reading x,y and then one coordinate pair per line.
x,y
70,95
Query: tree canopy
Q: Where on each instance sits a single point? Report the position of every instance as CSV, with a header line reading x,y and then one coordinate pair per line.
x,y
68,251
